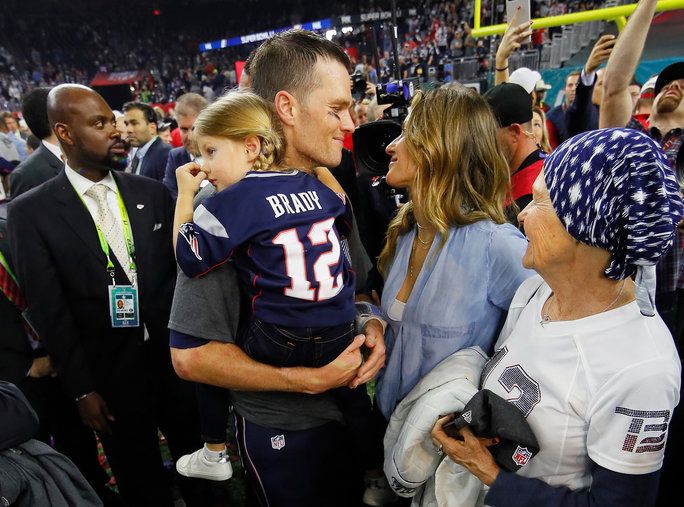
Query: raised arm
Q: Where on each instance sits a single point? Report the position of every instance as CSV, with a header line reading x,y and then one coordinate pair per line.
x,y
189,177
616,106
511,41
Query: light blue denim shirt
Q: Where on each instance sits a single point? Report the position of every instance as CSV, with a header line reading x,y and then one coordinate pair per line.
x,y
460,300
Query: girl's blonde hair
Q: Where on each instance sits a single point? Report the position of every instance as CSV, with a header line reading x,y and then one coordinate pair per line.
x,y
462,176
239,114
544,141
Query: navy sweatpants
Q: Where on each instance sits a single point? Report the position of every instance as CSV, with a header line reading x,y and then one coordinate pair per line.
x,y
307,468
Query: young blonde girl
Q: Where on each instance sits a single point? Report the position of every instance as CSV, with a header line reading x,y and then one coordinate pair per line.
x,y
281,227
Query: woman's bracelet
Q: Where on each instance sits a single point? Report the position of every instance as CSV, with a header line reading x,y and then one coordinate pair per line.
x,y
501,70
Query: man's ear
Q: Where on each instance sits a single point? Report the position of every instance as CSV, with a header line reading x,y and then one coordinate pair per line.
x,y
63,133
515,130
286,107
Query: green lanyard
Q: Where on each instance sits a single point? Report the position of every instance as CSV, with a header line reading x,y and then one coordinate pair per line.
x,y
128,235
5,265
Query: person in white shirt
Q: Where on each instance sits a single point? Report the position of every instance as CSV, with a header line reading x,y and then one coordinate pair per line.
x,y
583,353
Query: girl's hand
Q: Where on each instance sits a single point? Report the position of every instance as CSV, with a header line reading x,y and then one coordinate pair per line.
x,y
189,178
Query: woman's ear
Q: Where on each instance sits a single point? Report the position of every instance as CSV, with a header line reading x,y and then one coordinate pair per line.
x,y
252,146
285,106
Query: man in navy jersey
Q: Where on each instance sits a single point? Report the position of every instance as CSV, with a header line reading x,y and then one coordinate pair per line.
x,y
293,441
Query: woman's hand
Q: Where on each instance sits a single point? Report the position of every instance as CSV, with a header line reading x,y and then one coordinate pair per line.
x,y
471,452
374,341
189,177
511,40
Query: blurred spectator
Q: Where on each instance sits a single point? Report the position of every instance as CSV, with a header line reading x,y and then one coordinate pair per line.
x,y
46,161
541,133
164,132
11,129
32,144
149,157
512,108
8,149
583,113
556,116
188,108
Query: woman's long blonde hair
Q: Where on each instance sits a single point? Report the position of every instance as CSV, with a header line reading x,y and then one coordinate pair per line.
x,y
462,176
239,114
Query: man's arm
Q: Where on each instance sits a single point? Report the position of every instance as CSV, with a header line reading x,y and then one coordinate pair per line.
x,y
42,287
579,117
616,106
226,365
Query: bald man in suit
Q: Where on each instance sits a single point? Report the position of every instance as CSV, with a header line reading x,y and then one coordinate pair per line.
x,y
91,228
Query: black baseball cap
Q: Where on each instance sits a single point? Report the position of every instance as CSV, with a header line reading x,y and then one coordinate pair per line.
x,y
669,74
510,104
489,415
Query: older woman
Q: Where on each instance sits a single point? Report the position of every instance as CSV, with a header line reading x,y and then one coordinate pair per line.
x,y
583,354
451,262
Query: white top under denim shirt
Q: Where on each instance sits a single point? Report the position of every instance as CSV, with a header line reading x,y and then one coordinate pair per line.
x,y
459,300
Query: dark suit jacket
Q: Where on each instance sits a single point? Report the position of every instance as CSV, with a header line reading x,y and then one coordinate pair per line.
x,y
61,269
16,355
41,166
154,161
177,157
582,115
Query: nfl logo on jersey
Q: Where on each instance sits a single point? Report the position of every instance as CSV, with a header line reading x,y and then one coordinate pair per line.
x,y
278,442
521,456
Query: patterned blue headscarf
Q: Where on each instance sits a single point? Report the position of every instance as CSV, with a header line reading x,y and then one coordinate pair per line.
x,y
614,189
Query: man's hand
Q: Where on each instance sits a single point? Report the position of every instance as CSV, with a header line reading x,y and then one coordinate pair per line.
x,y
95,413
189,176
41,367
340,372
600,53
374,341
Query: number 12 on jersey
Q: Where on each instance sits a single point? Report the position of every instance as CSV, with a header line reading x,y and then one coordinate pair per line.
x,y
295,262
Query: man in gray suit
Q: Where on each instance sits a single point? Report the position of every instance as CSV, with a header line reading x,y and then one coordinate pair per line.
x,y
45,162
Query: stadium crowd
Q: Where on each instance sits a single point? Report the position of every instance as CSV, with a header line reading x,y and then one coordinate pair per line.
x,y
81,43
489,315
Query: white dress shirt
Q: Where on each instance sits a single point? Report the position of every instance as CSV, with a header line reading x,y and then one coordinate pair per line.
x,y
82,184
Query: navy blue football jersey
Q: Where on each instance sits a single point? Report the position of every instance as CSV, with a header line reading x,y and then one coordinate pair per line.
x,y
283,231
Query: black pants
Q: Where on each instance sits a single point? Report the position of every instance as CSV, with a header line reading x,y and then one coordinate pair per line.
x,y
286,347
144,401
61,426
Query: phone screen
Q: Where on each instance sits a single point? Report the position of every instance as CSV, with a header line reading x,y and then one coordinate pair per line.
x,y
523,16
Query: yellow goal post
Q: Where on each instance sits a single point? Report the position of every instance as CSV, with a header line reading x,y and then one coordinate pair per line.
x,y
618,14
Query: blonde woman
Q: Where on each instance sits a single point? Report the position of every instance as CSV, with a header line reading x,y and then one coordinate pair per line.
x,y
281,228
451,262
539,129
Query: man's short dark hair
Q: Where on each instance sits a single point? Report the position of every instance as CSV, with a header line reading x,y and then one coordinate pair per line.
x,y
148,113
34,111
32,142
286,60
573,73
